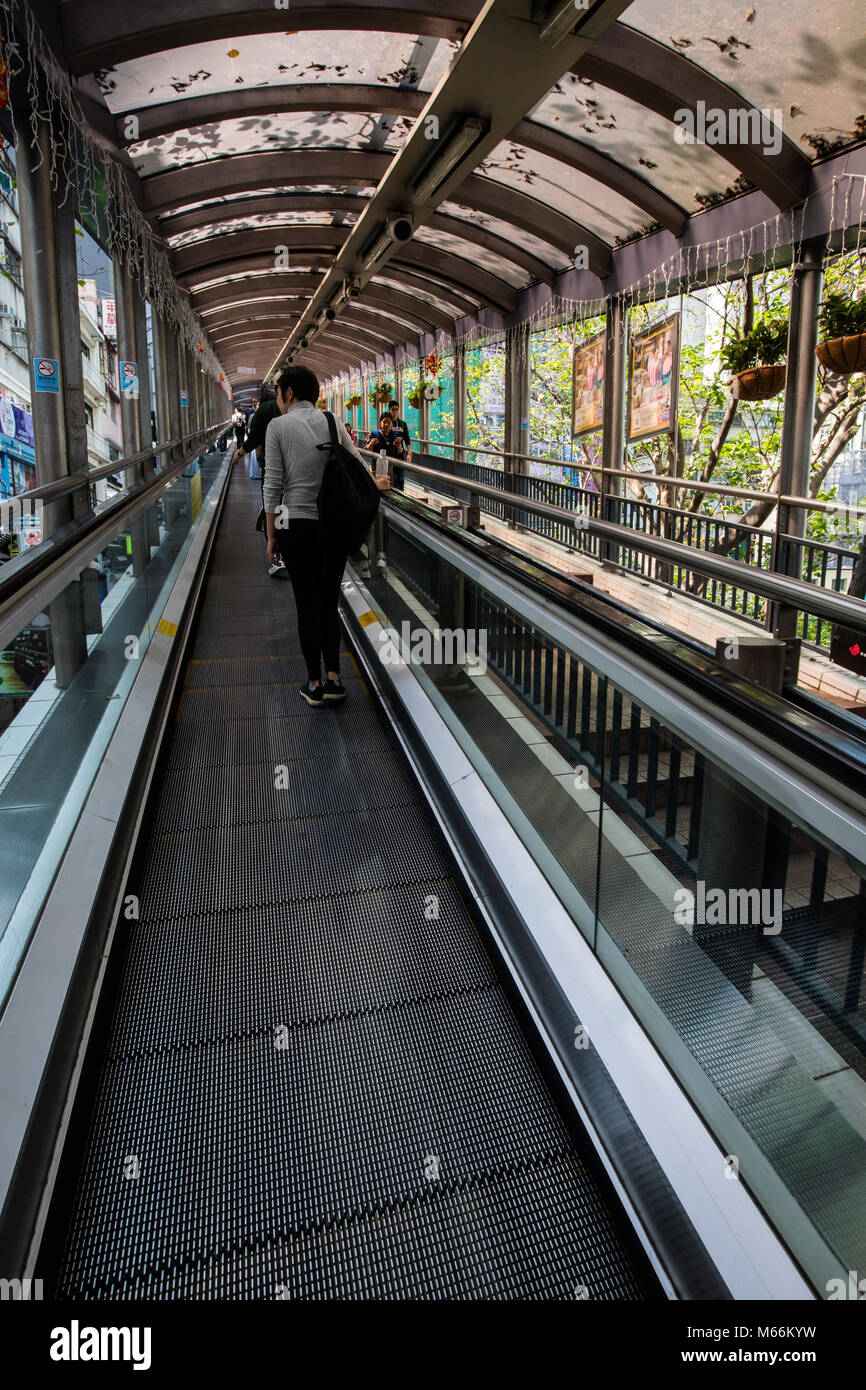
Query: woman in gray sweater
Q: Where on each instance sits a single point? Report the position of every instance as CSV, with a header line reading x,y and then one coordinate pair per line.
x,y
294,465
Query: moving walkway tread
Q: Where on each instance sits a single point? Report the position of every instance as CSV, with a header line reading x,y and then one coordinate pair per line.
x,y
312,1084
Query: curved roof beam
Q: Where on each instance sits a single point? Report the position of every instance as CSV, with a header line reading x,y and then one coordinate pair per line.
x,y
193,112
249,340
245,173
456,271
267,311
665,82
221,249
378,341
411,308
378,324
339,202
378,319
98,36
324,367
264,205
364,352
533,216
258,271
428,284
279,282
206,259
375,342
248,312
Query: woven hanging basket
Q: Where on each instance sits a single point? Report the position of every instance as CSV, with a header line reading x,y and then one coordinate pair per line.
x,y
844,356
759,383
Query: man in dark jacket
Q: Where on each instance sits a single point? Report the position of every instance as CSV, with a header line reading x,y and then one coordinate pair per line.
x,y
268,410
254,442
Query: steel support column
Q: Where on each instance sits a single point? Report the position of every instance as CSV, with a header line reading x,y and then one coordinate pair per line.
x,y
183,388
797,422
131,338
613,416
459,401
142,356
48,249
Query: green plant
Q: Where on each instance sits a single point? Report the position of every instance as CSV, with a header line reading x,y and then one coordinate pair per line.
x,y
353,401
417,395
765,346
381,393
841,317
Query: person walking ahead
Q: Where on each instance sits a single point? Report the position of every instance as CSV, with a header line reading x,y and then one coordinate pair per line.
x,y
294,465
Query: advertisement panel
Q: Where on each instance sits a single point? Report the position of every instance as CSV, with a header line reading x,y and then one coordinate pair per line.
x,y
589,386
653,376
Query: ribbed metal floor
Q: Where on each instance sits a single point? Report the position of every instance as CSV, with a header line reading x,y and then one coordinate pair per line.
x,y
314,1086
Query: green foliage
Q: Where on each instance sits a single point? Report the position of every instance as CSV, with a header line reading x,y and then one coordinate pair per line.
x,y
765,346
841,316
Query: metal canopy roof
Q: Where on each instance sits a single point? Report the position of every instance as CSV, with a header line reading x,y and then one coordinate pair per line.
x,y
266,154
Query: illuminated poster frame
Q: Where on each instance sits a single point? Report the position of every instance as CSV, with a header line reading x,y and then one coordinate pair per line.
x,y
652,392
588,401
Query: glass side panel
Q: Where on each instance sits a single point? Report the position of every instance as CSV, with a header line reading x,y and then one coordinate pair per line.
x,y
734,931
52,747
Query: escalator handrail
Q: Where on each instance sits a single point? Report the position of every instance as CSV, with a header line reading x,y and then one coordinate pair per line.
x,y
793,593
34,570
819,742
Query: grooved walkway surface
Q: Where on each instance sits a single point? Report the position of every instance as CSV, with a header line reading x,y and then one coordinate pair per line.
x,y
314,1086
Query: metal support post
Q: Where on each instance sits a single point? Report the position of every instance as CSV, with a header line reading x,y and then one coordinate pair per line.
x,y
797,424
613,417
48,247
460,402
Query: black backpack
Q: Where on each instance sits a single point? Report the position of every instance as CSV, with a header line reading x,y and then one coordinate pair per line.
x,y
348,498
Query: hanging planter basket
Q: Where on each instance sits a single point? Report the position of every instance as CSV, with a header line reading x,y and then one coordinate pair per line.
x,y
381,394
414,400
759,383
844,356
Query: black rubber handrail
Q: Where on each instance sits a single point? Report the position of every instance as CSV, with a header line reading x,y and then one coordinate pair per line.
x,y
31,564
818,741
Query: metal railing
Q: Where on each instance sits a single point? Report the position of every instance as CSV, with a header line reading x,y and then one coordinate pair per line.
x,y
39,574
582,529
61,487
823,566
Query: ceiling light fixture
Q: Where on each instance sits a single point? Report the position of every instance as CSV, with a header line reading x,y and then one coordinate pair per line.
x,y
466,135
562,21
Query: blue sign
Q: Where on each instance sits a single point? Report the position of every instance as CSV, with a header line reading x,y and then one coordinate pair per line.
x,y
129,378
23,426
184,399
46,374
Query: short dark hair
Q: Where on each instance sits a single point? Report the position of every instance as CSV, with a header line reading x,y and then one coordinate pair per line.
x,y
397,403
267,395
384,416
303,383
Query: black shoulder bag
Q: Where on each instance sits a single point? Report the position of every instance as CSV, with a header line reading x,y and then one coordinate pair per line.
x,y
348,498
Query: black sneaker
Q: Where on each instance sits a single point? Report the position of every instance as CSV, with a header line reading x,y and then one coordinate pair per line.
x,y
313,695
334,691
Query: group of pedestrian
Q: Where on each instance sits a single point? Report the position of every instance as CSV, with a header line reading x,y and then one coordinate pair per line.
x,y
294,439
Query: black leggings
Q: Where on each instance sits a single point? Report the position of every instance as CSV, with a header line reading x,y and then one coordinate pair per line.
x,y
315,574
